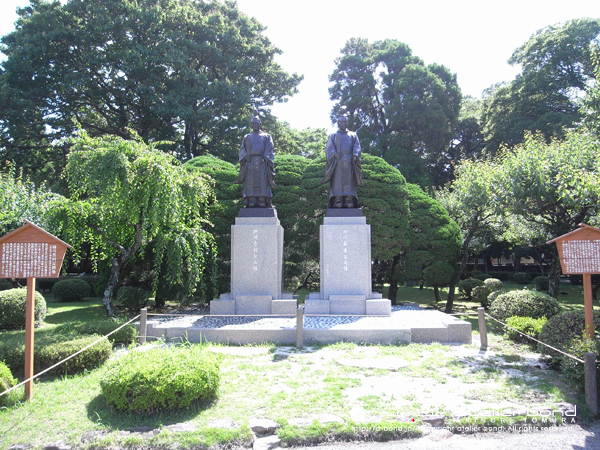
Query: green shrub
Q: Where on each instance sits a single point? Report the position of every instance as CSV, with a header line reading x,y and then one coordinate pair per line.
x,y
480,294
126,335
5,285
100,287
6,382
482,276
492,297
466,286
521,278
132,298
494,283
574,370
527,325
50,349
161,378
72,290
13,304
541,284
562,329
524,303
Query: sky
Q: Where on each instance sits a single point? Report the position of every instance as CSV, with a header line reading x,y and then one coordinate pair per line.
x,y
473,39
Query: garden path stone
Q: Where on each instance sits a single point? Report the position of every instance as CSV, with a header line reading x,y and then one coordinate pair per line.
x,y
434,420
57,446
329,418
181,427
20,447
387,363
225,424
266,443
262,426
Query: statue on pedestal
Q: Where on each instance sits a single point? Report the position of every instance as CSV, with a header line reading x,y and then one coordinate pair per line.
x,y
343,166
256,166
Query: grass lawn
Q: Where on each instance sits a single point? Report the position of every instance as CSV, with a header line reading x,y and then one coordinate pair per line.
x,y
312,393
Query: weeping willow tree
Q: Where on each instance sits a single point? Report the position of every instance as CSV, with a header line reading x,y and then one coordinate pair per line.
x,y
125,199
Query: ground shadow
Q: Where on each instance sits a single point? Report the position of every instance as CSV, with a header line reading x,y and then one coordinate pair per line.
x,y
100,412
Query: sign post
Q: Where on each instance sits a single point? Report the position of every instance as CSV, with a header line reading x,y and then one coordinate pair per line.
x,y
30,252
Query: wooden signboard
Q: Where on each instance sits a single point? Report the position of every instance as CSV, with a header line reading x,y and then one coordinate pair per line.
x,y
30,252
579,253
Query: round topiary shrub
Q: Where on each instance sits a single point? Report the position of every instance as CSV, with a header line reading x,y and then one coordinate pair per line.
x,y
494,283
541,283
521,278
574,370
6,382
13,304
126,335
492,297
480,294
562,329
50,349
527,325
524,303
466,286
132,298
161,378
72,290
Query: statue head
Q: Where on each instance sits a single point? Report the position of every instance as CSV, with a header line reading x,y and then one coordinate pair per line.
x,y
343,119
255,122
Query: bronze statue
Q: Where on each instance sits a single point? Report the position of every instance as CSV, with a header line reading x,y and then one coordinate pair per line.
x,y
256,166
343,166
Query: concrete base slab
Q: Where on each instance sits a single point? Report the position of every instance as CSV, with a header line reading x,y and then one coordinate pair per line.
x,y
284,307
253,304
380,307
316,306
222,307
347,304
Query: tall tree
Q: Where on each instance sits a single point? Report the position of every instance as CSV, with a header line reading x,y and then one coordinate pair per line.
x,y
184,71
125,197
556,72
402,110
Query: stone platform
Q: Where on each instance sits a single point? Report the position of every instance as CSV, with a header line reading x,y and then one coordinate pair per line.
x,y
403,326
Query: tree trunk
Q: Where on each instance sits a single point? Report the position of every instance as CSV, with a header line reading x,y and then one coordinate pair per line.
x,y
554,278
394,277
459,271
436,292
110,288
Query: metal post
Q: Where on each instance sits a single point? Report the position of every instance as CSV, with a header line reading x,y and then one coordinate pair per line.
x,y
482,327
299,328
591,392
143,320
29,324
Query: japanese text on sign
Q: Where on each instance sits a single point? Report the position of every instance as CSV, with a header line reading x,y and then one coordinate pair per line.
x,y
28,259
581,256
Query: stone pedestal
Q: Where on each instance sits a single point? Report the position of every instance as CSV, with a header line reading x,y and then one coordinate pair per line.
x,y
346,268
256,267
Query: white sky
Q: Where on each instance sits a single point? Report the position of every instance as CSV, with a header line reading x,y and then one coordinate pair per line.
x,y
473,39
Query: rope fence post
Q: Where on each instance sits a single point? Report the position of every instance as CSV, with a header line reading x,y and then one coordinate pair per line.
x,y
591,388
143,321
299,328
482,327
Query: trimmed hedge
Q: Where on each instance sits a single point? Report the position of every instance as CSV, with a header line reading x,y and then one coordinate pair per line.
x,y
161,378
541,283
132,298
521,278
526,325
467,286
524,303
50,349
480,294
6,382
73,290
562,329
482,276
494,283
493,296
13,304
574,370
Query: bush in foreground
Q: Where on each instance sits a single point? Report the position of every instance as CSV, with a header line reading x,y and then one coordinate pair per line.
x,y
574,370
6,382
524,303
480,295
161,378
13,304
527,325
50,349
73,290
562,329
